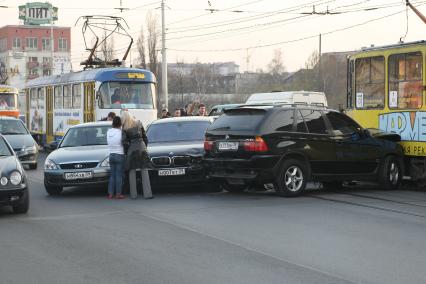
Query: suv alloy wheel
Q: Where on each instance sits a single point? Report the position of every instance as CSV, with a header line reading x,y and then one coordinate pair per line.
x,y
390,174
291,180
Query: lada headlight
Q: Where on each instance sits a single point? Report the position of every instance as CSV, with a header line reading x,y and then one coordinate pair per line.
x,y
49,165
105,163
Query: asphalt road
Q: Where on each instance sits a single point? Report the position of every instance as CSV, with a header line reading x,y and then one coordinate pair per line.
x,y
357,235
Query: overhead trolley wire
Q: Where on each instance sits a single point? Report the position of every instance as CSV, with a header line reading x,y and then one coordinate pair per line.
x,y
293,40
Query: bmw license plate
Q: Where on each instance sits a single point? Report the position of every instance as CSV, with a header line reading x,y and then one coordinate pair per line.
x,y
78,175
171,172
228,146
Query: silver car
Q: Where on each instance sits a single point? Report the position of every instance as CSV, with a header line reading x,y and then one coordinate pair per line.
x,y
82,158
18,136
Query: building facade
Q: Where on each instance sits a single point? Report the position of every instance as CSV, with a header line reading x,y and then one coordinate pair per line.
x,y
26,52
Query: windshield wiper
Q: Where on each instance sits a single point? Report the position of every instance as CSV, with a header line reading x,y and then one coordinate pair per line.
x,y
92,144
13,133
222,128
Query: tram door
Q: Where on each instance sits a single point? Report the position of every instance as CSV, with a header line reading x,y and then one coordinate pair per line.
x,y
27,108
49,115
89,101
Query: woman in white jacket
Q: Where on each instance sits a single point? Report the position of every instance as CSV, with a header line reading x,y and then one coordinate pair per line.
x,y
116,159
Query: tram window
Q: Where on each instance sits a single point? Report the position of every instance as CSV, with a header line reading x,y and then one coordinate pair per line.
x,y
405,80
33,98
370,83
40,95
76,96
67,97
58,97
126,95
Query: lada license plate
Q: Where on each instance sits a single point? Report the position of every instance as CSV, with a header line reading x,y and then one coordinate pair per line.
x,y
228,146
171,172
78,175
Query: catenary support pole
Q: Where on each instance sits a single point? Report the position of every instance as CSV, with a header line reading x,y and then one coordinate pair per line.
x,y
164,57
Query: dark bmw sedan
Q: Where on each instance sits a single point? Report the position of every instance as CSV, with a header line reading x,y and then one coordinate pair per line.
x,y
18,136
175,147
82,158
13,180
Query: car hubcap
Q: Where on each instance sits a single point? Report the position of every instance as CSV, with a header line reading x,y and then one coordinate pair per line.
x,y
293,178
393,173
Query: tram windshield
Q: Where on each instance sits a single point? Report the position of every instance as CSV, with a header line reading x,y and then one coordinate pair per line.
x,y
129,95
7,101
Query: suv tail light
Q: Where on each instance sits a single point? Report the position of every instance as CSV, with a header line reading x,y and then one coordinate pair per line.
x,y
208,145
255,145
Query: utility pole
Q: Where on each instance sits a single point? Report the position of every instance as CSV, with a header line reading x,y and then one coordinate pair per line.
x,y
52,41
164,57
319,64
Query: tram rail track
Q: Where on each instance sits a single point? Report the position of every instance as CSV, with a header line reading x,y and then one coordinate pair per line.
x,y
359,203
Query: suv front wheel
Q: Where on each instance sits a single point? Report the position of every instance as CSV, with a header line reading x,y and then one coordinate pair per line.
x,y
390,174
291,180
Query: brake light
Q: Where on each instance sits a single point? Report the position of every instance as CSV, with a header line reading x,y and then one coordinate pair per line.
x,y
256,145
208,145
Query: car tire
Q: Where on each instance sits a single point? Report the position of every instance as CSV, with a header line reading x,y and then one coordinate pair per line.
x,y
23,206
53,190
390,174
33,166
291,181
234,188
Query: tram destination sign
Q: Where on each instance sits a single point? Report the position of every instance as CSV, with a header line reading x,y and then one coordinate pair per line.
x,y
38,13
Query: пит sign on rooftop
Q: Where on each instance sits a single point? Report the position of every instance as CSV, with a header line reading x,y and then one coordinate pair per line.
x,y
38,13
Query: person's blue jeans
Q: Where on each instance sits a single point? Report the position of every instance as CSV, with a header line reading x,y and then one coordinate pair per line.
x,y
116,164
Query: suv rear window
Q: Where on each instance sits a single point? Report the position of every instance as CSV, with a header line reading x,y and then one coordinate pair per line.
x,y
239,119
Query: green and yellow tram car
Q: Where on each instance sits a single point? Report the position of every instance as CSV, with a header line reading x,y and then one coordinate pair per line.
x,y
386,90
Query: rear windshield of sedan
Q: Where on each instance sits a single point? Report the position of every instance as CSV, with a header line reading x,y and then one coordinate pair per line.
x,y
177,131
4,150
239,119
12,127
85,136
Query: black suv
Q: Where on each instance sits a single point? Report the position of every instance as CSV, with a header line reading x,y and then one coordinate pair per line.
x,y
288,145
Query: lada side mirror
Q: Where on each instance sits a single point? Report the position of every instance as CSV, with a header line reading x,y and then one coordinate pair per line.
x,y
53,145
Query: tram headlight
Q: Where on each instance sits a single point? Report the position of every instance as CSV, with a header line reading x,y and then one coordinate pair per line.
x,y
49,165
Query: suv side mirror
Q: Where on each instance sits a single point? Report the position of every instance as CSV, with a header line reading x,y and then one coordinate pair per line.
x,y
366,133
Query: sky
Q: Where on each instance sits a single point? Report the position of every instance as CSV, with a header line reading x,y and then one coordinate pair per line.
x,y
246,31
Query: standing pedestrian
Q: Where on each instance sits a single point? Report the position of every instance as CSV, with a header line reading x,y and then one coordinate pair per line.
x,y
134,142
109,117
177,112
202,110
116,159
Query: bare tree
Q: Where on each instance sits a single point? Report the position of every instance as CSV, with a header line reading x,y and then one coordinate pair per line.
x,y
153,34
203,76
312,61
107,47
276,66
141,49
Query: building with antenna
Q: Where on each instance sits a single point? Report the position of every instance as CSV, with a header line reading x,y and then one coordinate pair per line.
x,y
26,51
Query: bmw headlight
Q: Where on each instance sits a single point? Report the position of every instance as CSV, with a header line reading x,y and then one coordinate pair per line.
x,y
105,163
49,165
3,181
15,178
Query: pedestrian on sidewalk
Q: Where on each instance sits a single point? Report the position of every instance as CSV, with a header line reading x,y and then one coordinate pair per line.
x,y
135,143
116,159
